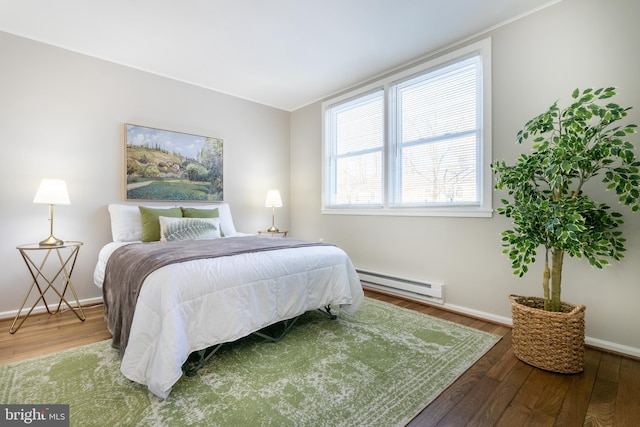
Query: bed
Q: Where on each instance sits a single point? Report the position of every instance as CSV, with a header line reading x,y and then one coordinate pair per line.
x,y
160,309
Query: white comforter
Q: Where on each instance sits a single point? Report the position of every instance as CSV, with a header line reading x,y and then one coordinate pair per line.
x,y
226,299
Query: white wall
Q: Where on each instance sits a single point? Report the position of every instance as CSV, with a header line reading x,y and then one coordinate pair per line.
x,y
536,60
62,116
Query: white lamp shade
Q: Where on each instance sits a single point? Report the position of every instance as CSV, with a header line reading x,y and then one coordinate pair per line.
x,y
273,199
52,192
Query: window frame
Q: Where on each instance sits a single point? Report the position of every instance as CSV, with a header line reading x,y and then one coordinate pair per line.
x,y
482,49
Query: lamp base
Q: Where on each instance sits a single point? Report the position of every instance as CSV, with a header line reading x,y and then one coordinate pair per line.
x,y
273,229
52,241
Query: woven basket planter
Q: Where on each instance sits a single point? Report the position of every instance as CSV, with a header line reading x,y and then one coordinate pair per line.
x,y
553,341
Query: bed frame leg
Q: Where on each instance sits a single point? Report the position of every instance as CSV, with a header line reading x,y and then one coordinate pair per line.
x,y
197,360
327,311
287,325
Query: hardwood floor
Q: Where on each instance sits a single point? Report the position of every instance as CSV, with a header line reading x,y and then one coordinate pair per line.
x,y
498,390
44,333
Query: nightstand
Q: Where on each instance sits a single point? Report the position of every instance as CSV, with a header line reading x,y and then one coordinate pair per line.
x,y
273,233
36,258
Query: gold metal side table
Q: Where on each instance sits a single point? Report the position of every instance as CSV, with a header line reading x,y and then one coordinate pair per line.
x,y
278,233
66,254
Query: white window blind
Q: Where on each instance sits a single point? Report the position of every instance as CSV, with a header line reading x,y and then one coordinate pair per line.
x,y
438,135
357,147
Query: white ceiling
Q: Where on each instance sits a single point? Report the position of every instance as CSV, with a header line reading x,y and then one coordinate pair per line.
x,y
282,53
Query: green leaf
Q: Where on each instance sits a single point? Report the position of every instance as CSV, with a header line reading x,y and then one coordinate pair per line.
x,y
587,98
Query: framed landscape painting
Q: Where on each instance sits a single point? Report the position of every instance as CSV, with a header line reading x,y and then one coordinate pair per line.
x,y
166,165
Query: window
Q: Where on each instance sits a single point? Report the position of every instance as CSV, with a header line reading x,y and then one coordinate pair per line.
x,y
417,143
357,128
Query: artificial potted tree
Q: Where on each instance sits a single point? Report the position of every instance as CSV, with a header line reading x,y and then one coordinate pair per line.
x,y
551,209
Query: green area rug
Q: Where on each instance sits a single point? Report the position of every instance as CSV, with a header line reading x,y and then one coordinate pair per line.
x,y
379,367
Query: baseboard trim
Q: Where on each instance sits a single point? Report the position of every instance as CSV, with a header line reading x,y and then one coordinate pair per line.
x,y
480,314
613,347
42,309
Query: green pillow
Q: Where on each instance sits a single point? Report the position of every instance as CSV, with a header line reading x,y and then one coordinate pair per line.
x,y
201,213
151,223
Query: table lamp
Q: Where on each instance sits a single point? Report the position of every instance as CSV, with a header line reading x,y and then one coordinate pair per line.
x,y
273,201
52,192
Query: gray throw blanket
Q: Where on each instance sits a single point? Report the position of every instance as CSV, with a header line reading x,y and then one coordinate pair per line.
x,y
129,265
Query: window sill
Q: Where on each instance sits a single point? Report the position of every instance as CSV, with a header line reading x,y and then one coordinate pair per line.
x,y
441,212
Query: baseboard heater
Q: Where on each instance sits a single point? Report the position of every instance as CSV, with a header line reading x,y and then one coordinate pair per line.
x,y
429,292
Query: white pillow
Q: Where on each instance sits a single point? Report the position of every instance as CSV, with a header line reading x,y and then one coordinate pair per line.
x,y
126,223
172,229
